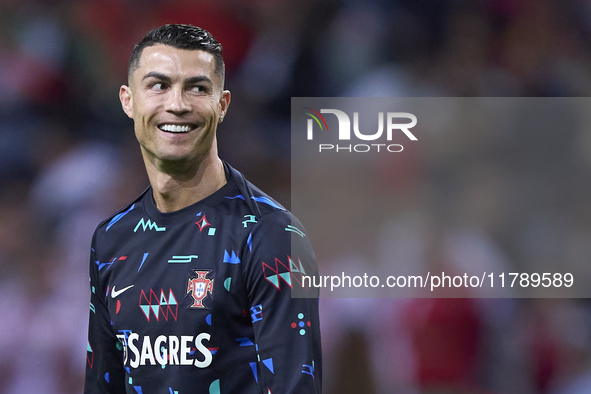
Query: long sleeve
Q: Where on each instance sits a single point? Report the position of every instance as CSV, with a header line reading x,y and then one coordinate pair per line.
x,y
286,329
104,367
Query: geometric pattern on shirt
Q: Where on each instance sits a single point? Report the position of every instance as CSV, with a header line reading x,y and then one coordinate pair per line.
x,y
159,306
284,272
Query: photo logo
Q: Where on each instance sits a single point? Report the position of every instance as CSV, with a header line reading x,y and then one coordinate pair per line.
x,y
310,131
393,125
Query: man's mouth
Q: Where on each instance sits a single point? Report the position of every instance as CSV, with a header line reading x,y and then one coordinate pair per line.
x,y
175,128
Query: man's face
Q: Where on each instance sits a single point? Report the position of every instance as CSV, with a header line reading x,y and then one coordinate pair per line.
x,y
175,100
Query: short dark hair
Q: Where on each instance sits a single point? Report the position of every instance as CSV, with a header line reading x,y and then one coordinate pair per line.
x,y
182,37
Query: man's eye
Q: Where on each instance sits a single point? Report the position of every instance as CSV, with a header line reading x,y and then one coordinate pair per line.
x,y
157,86
197,88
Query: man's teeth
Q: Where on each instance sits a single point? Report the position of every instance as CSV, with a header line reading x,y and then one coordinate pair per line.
x,y
175,128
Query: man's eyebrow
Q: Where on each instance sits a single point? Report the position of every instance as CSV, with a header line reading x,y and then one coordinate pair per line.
x,y
197,79
157,75
167,79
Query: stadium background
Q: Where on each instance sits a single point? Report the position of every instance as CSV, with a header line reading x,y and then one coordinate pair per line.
x,y
68,159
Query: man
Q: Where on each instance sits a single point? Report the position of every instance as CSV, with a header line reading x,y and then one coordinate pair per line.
x,y
192,282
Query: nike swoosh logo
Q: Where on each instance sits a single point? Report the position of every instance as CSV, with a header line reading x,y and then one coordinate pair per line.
x,y
115,293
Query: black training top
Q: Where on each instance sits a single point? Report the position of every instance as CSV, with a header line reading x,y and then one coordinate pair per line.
x,y
200,300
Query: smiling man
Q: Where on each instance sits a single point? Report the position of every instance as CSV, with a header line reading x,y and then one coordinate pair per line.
x,y
192,282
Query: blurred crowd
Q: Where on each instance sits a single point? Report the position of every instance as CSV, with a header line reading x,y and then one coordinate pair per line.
x,y
68,159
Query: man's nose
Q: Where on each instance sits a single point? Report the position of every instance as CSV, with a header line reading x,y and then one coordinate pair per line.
x,y
177,102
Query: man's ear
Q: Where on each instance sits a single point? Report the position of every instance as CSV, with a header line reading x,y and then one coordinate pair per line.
x,y
126,99
225,99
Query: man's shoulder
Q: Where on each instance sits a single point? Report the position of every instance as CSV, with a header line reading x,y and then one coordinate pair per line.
x,y
120,214
265,203
273,215
260,203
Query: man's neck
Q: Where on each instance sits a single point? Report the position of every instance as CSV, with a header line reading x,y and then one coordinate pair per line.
x,y
175,189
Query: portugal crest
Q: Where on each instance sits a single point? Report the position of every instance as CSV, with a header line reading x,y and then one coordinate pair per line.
x,y
199,287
